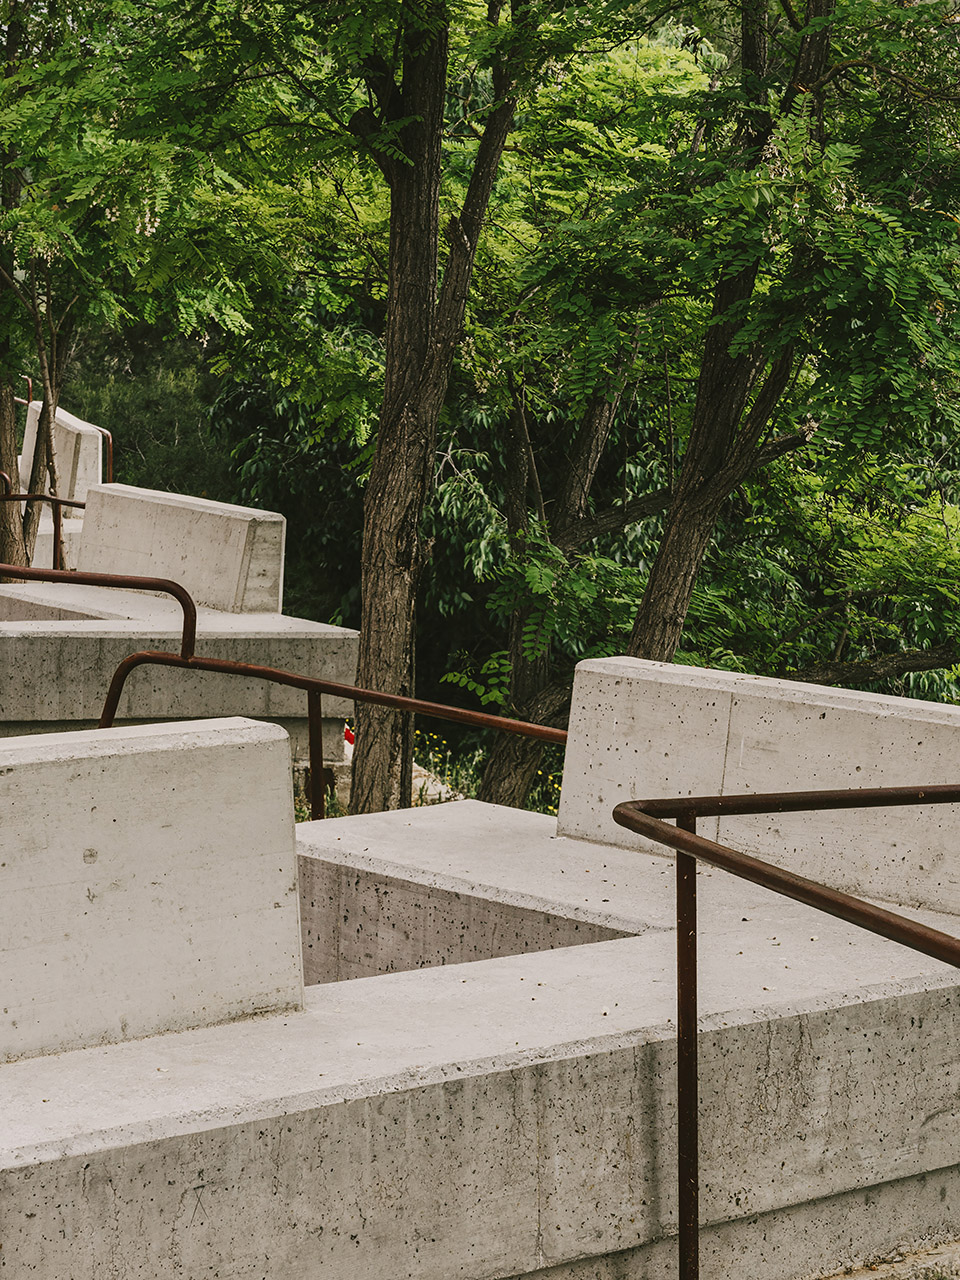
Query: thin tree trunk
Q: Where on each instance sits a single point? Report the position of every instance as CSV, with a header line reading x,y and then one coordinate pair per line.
x,y
12,549
512,764
406,442
422,335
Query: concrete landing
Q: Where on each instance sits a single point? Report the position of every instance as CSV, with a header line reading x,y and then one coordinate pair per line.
x,y
479,1120
466,880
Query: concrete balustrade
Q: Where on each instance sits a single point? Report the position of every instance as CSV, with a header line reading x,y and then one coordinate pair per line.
x,y
647,729
147,884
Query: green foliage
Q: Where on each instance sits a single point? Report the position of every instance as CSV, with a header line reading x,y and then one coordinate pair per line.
x,y
151,389
193,163
819,567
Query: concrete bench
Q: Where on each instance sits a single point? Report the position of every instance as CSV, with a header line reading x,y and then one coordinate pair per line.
x,y
66,640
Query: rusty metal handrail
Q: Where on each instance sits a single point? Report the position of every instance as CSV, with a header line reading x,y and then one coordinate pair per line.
x,y
646,817
188,640
56,506
314,689
8,483
29,381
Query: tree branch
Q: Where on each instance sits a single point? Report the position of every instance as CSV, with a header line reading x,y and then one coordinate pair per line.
x,y
619,517
791,15
889,667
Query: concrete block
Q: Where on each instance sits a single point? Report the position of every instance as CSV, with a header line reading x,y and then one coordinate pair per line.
x,y
147,883
642,729
358,923
78,447
228,557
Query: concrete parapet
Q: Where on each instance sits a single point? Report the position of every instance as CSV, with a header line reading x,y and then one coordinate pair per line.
x,y
227,557
78,447
147,883
644,729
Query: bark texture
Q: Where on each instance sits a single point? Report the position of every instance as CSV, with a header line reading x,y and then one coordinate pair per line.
x,y
423,331
737,395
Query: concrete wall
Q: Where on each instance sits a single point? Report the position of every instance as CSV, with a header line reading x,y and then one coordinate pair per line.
x,y
79,453
358,923
451,1123
646,729
147,883
227,557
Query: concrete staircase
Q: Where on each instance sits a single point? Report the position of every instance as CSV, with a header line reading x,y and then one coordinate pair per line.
x,y
491,1094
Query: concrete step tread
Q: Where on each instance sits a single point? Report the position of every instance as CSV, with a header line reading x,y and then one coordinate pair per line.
x,y
399,1031
516,858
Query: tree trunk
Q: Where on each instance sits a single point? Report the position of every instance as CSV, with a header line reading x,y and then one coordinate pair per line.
x,y
512,764
52,350
724,437
402,468
513,761
422,335
12,549
659,622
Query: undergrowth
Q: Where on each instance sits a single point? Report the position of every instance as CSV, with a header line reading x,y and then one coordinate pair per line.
x,y
456,771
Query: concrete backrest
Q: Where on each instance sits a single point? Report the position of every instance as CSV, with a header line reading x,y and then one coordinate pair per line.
x,y
228,557
78,447
646,729
147,882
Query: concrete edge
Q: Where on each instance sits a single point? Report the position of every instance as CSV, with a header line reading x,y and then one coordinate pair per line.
x,y
87,743
353,861
411,1078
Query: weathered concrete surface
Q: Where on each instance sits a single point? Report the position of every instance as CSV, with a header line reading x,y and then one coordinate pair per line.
x,y
484,1120
456,882
147,883
643,729
227,557
373,887
71,645
357,923
78,447
810,1241
383,888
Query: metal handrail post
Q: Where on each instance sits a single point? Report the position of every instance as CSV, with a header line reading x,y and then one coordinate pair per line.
x,y
57,535
315,725
688,1091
